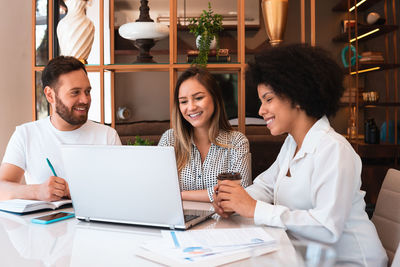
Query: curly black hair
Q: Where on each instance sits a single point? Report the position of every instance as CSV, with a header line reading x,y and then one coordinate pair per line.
x,y
305,75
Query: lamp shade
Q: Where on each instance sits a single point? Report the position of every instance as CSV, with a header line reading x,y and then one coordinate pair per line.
x,y
144,33
143,30
275,16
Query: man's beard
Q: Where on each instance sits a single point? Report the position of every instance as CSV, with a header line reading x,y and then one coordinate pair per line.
x,y
67,115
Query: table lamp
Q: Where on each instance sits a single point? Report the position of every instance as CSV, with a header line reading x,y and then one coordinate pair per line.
x,y
144,32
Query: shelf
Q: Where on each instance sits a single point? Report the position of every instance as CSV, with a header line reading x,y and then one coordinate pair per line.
x,y
342,5
362,29
381,105
364,68
126,47
371,105
137,67
134,51
381,150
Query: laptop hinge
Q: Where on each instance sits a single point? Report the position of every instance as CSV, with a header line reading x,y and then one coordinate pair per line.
x,y
172,227
87,219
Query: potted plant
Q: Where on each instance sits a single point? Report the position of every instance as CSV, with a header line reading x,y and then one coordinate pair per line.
x,y
139,142
205,28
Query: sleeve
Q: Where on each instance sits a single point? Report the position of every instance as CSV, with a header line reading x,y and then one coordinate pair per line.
x,y
15,151
167,138
335,178
240,158
262,188
113,138
263,185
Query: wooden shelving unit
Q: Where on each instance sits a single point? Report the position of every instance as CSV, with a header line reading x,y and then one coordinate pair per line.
x,y
171,67
376,158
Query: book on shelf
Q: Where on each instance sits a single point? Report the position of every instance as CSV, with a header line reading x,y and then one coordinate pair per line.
x,y
213,52
371,57
25,206
215,59
371,61
350,95
351,99
223,55
371,53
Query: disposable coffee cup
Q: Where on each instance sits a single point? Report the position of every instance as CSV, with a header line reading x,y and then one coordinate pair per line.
x,y
231,176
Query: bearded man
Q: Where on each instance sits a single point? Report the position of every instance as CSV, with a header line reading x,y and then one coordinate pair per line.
x,y
67,89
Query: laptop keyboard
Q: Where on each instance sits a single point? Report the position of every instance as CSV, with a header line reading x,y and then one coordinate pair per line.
x,y
190,215
188,218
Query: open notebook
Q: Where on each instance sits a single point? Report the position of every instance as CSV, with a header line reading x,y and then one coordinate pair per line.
x,y
25,206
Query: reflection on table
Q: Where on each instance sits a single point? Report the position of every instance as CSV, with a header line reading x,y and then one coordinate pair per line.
x,y
75,243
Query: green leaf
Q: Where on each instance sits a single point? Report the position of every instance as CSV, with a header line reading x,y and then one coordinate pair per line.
x,y
139,142
208,25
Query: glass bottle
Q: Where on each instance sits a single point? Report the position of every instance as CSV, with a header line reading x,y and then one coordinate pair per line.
x,y
352,128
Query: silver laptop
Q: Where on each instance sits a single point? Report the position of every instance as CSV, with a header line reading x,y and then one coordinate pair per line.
x,y
127,184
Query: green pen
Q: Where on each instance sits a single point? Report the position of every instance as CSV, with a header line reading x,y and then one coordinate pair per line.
x,y
51,167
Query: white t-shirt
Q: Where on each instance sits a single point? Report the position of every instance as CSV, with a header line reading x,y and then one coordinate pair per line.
x,y
321,200
33,142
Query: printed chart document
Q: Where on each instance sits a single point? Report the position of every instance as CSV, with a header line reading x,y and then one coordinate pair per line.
x,y
24,206
212,247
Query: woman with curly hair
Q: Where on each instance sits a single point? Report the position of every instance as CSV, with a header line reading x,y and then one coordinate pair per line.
x,y
205,143
312,190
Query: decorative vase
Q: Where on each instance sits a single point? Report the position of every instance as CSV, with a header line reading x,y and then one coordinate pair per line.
x,y
75,31
275,15
213,44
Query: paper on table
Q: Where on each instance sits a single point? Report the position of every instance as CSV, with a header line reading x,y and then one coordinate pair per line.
x,y
212,247
218,237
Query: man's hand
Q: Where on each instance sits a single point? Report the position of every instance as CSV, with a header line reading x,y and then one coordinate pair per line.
x,y
232,196
53,189
67,193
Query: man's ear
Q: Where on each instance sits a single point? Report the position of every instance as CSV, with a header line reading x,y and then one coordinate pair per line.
x,y
50,94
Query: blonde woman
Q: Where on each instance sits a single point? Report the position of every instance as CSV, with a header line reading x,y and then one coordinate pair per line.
x,y
205,143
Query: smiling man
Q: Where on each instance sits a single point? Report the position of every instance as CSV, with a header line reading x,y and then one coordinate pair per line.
x,y
67,89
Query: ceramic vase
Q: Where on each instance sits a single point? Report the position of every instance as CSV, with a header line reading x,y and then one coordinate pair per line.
x,y
275,15
75,31
213,44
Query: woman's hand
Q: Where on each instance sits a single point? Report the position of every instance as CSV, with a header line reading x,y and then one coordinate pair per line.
x,y
216,206
232,196
218,209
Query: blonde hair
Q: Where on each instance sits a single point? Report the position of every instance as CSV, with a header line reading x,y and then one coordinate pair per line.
x,y
183,130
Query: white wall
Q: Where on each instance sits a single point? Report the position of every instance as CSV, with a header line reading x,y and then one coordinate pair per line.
x,y
15,66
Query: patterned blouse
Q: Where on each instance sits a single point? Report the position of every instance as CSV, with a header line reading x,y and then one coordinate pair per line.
x,y
233,158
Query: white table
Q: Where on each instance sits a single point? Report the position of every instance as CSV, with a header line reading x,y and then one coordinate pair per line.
x,y
75,243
